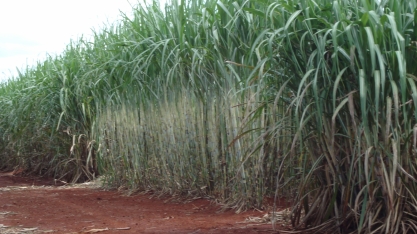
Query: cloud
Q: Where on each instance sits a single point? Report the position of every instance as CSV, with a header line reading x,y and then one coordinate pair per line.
x,y
31,29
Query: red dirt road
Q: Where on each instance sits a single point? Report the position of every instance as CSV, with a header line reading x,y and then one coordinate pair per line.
x,y
30,205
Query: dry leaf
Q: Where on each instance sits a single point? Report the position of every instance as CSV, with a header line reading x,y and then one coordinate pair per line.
x,y
96,230
28,229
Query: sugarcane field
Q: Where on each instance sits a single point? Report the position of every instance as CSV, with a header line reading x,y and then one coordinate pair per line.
x,y
217,116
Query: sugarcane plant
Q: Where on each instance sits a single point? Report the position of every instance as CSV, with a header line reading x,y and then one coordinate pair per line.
x,y
235,100
350,67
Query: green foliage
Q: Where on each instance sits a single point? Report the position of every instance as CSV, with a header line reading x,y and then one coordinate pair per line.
x,y
191,66
354,109
235,100
189,76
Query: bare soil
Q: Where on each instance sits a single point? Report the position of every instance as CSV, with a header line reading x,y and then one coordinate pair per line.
x,y
37,205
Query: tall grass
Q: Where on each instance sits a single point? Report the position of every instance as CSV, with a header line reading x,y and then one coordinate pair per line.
x,y
235,100
192,85
43,112
159,101
349,64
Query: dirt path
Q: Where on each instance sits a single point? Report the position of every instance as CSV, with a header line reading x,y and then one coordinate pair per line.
x,y
30,205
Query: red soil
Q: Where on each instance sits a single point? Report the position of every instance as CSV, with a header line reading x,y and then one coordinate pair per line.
x,y
36,205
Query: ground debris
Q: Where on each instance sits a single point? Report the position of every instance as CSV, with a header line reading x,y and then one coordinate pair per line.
x,y
19,230
280,216
95,230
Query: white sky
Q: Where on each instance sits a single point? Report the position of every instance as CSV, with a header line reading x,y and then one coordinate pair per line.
x,y
29,29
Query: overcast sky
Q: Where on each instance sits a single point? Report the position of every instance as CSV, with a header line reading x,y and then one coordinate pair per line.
x,y
31,28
